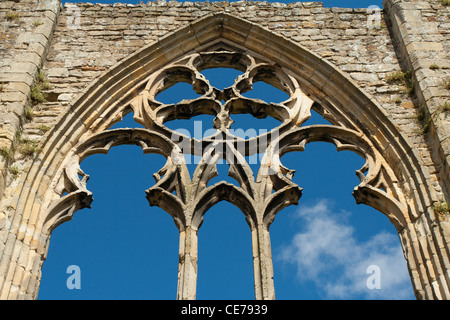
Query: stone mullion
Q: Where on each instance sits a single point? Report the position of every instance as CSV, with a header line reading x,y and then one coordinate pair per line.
x,y
187,268
262,263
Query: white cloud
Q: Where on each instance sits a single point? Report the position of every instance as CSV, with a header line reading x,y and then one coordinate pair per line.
x,y
328,253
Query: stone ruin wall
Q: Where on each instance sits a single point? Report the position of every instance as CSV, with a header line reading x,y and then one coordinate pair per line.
x,y
412,35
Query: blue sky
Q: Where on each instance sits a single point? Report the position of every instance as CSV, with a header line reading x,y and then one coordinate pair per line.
x,y
321,248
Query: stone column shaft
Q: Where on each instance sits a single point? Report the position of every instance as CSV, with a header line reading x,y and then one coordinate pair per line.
x,y
262,264
187,269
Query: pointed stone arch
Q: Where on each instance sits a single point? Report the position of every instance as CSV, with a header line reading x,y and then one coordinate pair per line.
x,y
392,180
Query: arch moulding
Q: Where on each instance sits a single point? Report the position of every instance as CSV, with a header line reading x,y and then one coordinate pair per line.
x,y
392,179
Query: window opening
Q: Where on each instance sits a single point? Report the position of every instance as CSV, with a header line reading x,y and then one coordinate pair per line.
x,y
221,78
225,267
116,243
323,247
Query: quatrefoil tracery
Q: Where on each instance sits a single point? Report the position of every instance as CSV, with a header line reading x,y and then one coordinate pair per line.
x,y
221,103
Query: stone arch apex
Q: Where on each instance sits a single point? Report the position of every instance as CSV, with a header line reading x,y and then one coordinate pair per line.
x,y
362,122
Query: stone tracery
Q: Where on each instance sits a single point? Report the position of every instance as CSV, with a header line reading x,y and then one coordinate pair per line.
x,y
360,125
260,197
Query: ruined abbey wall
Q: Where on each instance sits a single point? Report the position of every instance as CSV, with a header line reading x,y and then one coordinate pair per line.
x,y
75,44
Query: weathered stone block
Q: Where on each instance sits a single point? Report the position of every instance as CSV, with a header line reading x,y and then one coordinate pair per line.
x,y
58,72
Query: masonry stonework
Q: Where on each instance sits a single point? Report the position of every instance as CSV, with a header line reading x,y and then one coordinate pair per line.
x,y
385,86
